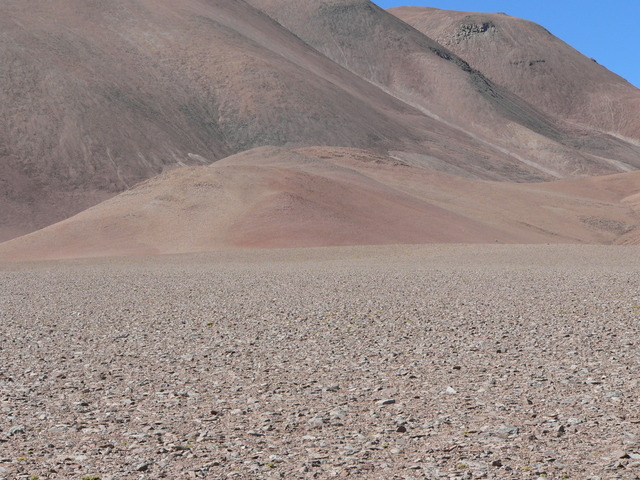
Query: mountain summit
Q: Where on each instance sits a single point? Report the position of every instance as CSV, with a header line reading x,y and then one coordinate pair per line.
x,y
539,67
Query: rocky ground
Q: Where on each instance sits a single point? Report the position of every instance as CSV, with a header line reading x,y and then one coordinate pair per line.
x,y
432,362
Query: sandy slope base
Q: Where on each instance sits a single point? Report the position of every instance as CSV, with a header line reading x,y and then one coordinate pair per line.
x,y
321,196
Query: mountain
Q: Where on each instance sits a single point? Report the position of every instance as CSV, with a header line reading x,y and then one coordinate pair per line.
x,y
413,67
539,67
321,196
99,97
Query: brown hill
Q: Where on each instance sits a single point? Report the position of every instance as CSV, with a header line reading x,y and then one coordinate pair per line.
x,y
531,62
320,196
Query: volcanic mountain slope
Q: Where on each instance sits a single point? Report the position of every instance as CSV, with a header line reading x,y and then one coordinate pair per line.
x,y
528,60
320,196
413,67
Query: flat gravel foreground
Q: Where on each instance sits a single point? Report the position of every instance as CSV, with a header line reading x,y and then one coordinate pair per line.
x,y
458,362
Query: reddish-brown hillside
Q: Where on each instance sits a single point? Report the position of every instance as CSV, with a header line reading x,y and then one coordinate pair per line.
x,y
322,196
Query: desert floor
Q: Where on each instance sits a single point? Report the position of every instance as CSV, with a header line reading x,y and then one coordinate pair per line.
x,y
505,362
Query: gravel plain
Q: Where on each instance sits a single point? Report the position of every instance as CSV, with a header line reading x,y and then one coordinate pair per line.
x,y
429,362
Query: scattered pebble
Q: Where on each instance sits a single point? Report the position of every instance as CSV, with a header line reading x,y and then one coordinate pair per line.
x,y
323,363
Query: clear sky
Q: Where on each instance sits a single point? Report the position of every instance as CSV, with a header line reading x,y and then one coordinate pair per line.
x,y
608,30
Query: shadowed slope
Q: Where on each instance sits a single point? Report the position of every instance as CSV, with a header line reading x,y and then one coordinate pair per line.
x,y
539,67
320,196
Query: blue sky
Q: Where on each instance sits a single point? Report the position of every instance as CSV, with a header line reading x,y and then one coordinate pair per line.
x,y
605,30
